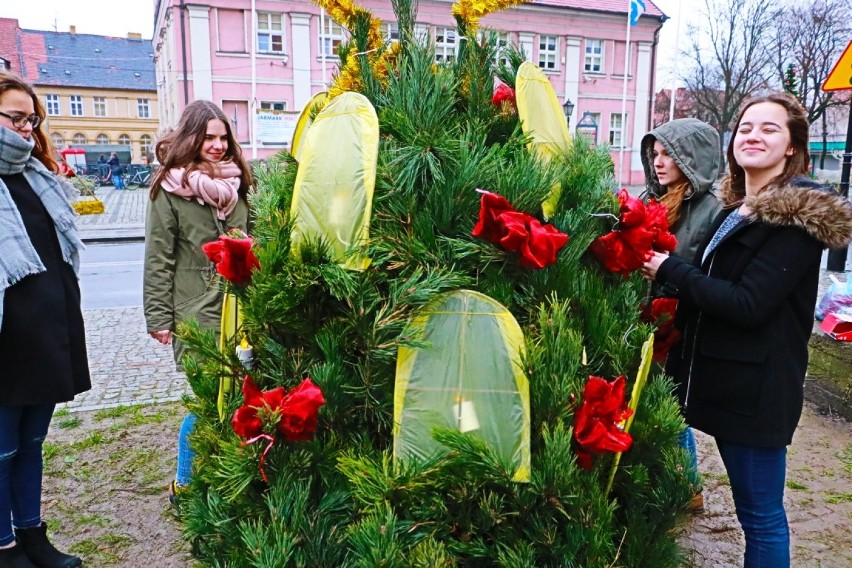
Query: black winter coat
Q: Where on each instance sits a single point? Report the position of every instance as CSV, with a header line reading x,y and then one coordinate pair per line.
x,y
746,314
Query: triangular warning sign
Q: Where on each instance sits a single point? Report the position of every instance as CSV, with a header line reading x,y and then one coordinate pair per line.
x,y
840,77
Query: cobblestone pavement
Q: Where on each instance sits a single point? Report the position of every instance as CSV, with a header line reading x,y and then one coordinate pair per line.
x,y
127,366
123,217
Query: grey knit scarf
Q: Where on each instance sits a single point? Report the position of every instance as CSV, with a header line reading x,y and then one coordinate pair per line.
x,y
18,258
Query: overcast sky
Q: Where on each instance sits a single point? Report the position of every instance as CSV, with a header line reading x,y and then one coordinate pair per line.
x,y
118,17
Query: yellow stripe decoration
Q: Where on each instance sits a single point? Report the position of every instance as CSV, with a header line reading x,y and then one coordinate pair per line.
x,y
333,193
543,121
229,326
638,386
304,123
468,378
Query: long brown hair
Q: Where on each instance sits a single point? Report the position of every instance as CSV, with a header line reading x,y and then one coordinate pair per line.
x,y
43,149
181,147
732,189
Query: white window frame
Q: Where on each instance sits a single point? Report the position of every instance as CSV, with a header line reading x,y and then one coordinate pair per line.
x,y
593,62
77,105
597,117
99,141
99,106
446,44
51,104
617,129
271,31
57,140
273,105
79,138
125,140
143,108
390,31
146,143
330,37
501,48
548,52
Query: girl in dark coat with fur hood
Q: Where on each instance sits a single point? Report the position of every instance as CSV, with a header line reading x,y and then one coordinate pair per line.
x,y
746,313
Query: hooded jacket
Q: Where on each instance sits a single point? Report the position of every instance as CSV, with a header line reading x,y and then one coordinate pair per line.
x,y
746,314
694,147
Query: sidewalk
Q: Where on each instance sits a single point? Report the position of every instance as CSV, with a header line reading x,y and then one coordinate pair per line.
x,y
123,219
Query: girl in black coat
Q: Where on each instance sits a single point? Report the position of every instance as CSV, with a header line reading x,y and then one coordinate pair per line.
x,y
746,313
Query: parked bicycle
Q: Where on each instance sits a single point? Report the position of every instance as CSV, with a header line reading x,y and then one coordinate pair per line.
x,y
141,177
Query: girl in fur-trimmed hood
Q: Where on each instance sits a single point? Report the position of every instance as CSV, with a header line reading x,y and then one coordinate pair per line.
x,y
746,313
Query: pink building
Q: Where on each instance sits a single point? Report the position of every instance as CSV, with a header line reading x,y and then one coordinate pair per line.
x,y
261,59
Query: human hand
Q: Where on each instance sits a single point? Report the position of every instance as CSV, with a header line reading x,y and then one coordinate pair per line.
x,y
164,336
649,269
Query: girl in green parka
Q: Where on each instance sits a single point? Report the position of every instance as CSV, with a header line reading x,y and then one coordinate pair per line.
x,y
198,193
681,161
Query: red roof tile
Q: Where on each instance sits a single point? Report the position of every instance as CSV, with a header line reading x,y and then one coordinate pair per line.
x,y
9,36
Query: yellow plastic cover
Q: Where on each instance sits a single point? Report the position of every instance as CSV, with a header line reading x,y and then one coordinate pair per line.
x,y
468,378
333,194
230,325
543,120
304,124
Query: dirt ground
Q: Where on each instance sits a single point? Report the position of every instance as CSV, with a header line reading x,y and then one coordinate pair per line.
x,y
106,474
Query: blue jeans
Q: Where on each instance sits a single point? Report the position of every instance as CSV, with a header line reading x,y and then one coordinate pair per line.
x,y
757,478
185,453
22,432
687,442
116,181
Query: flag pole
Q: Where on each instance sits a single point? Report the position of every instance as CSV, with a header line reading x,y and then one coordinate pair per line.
x,y
624,136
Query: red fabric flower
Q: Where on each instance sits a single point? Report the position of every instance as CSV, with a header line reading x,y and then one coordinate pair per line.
x,y
503,93
299,411
518,232
233,257
294,413
597,420
661,312
641,229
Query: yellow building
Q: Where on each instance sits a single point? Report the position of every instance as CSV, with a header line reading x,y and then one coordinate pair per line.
x,y
95,89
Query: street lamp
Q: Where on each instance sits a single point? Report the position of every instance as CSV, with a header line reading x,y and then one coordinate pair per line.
x,y
568,108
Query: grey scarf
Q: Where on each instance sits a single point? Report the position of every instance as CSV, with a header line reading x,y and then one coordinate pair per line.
x,y
18,258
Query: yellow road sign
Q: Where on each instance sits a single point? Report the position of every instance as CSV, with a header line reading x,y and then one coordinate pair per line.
x,y
840,77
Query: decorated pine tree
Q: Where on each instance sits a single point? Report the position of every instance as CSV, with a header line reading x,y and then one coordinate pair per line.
x,y
413,382
791,82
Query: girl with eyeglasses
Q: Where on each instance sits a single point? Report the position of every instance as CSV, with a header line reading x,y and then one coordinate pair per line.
x,y
42,340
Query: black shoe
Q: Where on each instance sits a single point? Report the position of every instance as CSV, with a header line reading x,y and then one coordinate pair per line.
x,y
39,550
14,557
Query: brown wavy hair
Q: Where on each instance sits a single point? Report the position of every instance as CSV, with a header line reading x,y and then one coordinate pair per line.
x,y
43,150
732,189
181,147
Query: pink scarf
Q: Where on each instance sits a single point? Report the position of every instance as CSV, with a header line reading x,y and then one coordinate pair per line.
x,y
218,191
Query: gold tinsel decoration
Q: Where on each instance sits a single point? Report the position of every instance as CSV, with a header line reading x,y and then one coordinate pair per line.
x,y
469,12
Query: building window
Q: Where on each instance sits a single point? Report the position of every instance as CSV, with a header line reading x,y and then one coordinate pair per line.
x,y
52,105
616,129
330,37
596,117
79,138
147,144
238,115
390,31
124,139
501,49
273,105
594,56
548,50
143,108
76,105
100,106
58,140
102,139
232,36
445,44
270,32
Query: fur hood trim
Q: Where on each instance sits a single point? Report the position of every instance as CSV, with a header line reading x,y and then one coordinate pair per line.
x,y
818,210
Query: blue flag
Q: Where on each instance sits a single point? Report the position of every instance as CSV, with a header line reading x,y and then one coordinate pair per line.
x,y
637,8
